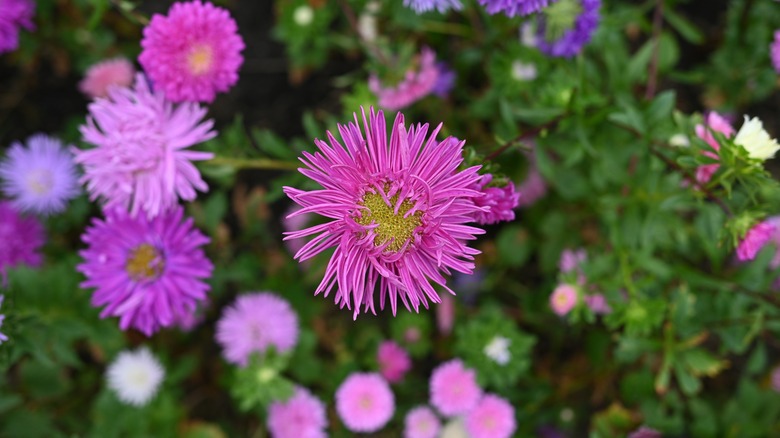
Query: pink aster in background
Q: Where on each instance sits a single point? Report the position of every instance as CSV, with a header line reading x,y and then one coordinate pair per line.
x,y
533,188
417,83
493,417
21,237
498,202
255,322
597,304
14,14
454,389
141,161
116,72
394,361
754,240
398,210
774,378
302,416
563,299
571,259
146,271
714,122
445,314
421,422
364,402
193,53
774,51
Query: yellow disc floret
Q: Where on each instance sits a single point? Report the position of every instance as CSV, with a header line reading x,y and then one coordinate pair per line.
x,y
390,226
144,263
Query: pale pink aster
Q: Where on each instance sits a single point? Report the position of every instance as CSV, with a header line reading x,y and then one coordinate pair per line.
x,y
563,299
193,53
116,72
421,422
454,388
141,161
571,259
255,322
417,83
398,211
14,14
754,240
445,314
493,417
533,188
21,237
713,122
302,416
146,271
498,203
394,361
597,304
774,49
365,402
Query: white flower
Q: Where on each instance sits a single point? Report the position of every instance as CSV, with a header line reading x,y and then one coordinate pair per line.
x,y
135,376
498,350
303,15
679,140
756,140
454,429
522,71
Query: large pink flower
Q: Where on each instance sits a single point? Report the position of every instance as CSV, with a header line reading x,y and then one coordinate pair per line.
x,y
398,211
365,402
302,416
493,417
454,388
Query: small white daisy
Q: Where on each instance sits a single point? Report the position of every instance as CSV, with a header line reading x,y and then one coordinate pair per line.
x,y
135,376
498,350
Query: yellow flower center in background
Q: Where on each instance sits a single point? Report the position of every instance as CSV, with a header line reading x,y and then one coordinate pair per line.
x,y
200,59
390,225
40,181
144,263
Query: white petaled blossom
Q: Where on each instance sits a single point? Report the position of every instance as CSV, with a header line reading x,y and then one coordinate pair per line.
x,y
523,72
756,140
303,15
135,376
498,350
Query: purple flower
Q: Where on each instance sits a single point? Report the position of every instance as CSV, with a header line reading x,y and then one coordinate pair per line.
x,y
597,304
571,41
365,402
754,240
645,432
13,15
514,8
394,361
774,49
442,6
571,259
497,204
254,323
40,178
193,53
302,416
398,211
21,237
145,271
446,80
417,83
141,162
3,337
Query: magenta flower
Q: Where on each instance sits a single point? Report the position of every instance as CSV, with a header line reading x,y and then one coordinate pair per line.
x,y
417,83
141,162
397,213
365,402
21,237
454,388
563,299
145,271
514,8
116,72
493,417
774,50
254,323
497,203
193,53
40,178
14,14
302,416
754,240
394,361
713,122
421,422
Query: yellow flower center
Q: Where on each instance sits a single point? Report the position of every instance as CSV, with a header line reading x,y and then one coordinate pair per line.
x,y
390,226
145,263
200,59
40,181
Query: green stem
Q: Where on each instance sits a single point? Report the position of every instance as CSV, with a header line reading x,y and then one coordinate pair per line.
x,y
253,163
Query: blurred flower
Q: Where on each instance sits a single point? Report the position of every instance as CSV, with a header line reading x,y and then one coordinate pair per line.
x,y
571,259
3,337
421,422
303,15
498,350
774,49
193,53
754,240
454,429
775,379
442,6
292,222
645,432
21,237
563,299
190,318
493,417
364,402
367,21
399,210
417,83
522,71
679,140
597,304
14,14
713,122
568,27
145,271
135,376
302,416
394,361
40,178
117,72
141,161
499,201
454,388
445,314
255,322
532,188
756,140
446,80
528,34
514,8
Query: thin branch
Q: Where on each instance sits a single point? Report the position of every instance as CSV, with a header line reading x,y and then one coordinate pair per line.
x,y
652,74
524,136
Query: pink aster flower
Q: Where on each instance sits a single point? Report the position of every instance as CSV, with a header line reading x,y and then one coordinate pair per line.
x,y
146,271
571,259
445,314
365,402
563,299
454,388
21,237
499,201
493,417
774,49
394,361
254,323
302,416
754,240
193,53
714,122
116,72
597,304
14,14
533,188
417,83
421,422
398,211
141,162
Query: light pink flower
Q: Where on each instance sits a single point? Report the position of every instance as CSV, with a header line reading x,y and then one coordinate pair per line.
x,y
754,240
497,203
532,189
713,122
445,314
454,388
563,299
597,304
417,84
493,417
421,422
365,402
117,72
302,416
775,51
394,361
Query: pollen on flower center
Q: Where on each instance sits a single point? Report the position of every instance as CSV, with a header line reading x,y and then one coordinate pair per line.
x,y
200,59
397,227
40,181
145,263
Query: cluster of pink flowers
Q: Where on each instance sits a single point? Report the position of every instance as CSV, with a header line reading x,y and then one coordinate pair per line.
x,y
564,298
417,83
